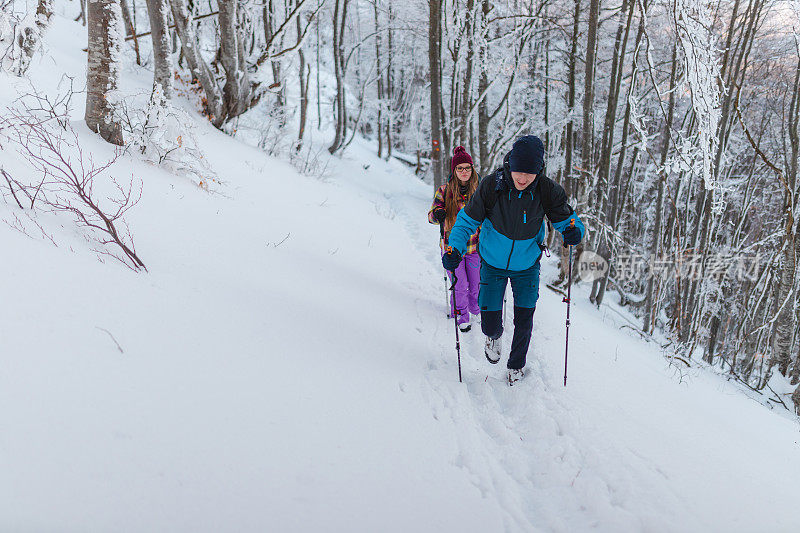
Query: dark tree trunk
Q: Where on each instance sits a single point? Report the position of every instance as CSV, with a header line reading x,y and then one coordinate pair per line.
x,y
434,43
483,85
587,132
379,84
569,135
339,19
130,28
304,79
466,98
388,86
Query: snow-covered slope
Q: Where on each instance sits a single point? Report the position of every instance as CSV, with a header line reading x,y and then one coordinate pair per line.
x,y
286,365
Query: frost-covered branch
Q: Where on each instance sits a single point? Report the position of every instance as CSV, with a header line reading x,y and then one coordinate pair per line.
x,y
694,26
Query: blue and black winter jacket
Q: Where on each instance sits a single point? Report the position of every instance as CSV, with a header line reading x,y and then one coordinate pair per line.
x,y
512,221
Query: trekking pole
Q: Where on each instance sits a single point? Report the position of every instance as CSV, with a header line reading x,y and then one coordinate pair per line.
x,y
567,299
455,318
446,290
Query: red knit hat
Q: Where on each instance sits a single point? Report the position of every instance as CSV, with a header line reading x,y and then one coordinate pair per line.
x,y
460,155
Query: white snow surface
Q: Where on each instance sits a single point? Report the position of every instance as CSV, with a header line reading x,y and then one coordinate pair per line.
x,y
287,365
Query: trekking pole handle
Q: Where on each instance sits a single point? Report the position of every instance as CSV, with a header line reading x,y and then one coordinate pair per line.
x,y
453,272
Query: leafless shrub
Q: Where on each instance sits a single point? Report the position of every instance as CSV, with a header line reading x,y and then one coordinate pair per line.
x,y
65,177
162,134
272,135
310,160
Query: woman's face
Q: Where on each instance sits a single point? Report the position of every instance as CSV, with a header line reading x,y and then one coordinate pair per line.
x,y
464,172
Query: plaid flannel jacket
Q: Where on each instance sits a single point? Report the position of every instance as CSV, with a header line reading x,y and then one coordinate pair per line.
x,y
438,201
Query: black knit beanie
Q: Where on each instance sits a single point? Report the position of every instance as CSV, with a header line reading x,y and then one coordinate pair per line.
x,y
527,155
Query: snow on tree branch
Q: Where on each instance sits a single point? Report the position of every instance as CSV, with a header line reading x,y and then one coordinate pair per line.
x,y
21,37
693,22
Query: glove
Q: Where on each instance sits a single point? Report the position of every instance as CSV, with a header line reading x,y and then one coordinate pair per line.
x,y
451,259
439,214
572,236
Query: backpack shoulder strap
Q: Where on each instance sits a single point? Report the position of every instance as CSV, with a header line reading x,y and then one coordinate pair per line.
x,y
497,190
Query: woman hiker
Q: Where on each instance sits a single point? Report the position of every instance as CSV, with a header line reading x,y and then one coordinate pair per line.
x,y
448,201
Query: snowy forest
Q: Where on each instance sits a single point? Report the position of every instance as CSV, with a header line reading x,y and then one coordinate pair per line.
x,y
673,126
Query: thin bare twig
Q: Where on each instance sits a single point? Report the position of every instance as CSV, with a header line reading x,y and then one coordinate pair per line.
x,y
112,338
11,187
275,245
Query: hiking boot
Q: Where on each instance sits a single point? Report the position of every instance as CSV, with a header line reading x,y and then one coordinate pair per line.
x,y
492,349
514,375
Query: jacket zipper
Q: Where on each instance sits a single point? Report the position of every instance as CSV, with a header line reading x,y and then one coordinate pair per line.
x,y
508,263
514,241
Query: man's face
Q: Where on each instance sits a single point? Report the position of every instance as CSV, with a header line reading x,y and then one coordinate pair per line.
x,y
522,179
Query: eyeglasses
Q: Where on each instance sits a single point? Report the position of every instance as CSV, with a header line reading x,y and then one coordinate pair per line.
x,y
464,169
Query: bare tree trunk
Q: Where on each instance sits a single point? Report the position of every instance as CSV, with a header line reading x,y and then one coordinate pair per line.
x,y
650,313
158,12
784,323
82,16
269,34
578,186
319,96
389,90
466,98
379,84
483,86
339,20
617,67
547,146
304,79
237,90
450,129
569,135
587,132
782,335
130,29
201,73
615,83
104,20
434,44
617,194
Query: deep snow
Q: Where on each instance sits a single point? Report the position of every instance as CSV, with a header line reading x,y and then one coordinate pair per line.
x,y
287,365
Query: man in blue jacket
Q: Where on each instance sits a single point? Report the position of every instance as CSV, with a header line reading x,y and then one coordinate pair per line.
x,y
509,206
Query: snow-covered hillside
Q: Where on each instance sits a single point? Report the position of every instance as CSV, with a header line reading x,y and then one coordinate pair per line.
x,y
286,365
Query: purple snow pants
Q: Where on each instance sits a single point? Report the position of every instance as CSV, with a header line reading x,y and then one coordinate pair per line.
x,y
468,273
